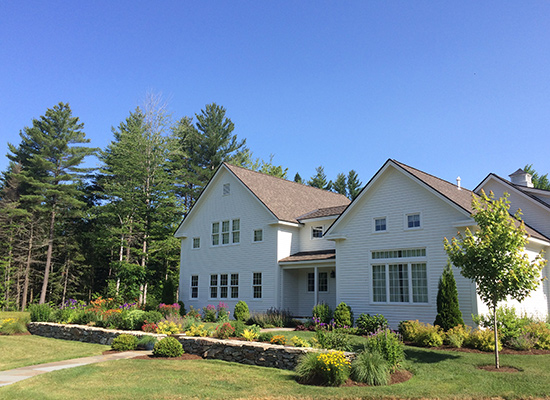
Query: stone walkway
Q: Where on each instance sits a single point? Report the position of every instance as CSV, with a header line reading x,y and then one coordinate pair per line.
x,y
15,375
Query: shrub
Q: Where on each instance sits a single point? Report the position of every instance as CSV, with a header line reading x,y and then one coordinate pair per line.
x,y
299,342
124,342
332,340
241,312
193,313
169,328
278,339
12,326
456,336
410,330
239,327
249,335
322,313
133,319
448,311
525,341
368,324
146,342
223,314
40,312
149,327
169,309
430,336
225,330
209,313
168,347
152,317
265,337
343,316
482,339
182,308
509,324
539,332
197,330
168,295
330,369
387,343
85,317
113,320
370,368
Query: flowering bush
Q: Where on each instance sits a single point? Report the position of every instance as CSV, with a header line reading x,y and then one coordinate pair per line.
x,y
197,330
331,369
169,309
278,339
225,330
223,314
209,313
299,342
149,327
169,328
193,313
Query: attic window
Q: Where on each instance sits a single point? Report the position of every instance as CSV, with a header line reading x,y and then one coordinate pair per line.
x,y
226,189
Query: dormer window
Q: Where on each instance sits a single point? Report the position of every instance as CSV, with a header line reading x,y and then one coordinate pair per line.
x,y
226,189
316,232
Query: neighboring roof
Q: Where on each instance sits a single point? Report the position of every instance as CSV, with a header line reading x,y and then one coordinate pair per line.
x,y
287,200
318,255
323,212
519,172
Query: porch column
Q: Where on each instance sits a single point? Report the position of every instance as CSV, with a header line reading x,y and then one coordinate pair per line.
x,y
316,291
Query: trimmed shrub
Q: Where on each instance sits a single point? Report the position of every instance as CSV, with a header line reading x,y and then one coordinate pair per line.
x,y
332,340
168,347
40,312
124,342
265,337
370,368
368,324
322,313
430,336
456,336
241,311
448,311
225,330
387,343
329,369
482,339
343,316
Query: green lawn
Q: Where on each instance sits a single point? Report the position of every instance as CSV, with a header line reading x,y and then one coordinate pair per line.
x,y
20,351
446,375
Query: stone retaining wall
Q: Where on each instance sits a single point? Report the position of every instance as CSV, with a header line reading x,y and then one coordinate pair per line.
x,y
252,353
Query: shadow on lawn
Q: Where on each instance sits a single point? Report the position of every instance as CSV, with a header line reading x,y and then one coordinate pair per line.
x,y
428,357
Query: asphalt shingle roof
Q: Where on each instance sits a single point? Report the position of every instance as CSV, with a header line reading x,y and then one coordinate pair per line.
x,y
318,255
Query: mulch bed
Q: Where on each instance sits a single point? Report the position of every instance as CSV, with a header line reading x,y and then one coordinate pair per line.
x,y
492,368
397,377
468,350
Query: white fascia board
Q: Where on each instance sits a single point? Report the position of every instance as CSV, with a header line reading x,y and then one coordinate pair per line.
x,y
318,219
297,264
181,235
335,237
285,223
538,241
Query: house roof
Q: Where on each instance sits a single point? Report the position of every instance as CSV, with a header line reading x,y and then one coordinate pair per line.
x,y
287,200
462,197
318,255
323,212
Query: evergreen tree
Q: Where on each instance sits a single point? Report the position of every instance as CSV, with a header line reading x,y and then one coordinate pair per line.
x,y
539,181
448,310
340,184
50,170
354,185
319,180
298,178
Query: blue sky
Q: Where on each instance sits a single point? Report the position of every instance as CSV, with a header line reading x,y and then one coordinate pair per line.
x,y
458,88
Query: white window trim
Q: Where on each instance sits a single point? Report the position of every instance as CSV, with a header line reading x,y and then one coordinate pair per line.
x,y
193,243
408,262
374,224
191,287
252,298
253,235
322,230
406,221
230,232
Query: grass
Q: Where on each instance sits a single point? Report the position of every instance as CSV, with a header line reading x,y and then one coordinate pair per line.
x,y
20,351
15,314
446,375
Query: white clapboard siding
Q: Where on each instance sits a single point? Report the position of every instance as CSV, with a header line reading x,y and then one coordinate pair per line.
x,y
308,243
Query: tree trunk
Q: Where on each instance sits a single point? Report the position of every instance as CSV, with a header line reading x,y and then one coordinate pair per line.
x,y
497,362
48,259
27,269
65,282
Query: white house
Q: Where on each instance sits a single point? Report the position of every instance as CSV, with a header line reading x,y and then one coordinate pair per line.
x,y
277,243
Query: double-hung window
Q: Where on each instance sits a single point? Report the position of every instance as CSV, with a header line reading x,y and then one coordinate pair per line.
x,y
380,224
258,235
322,285
196,242
413,221
214,286
194,286
257,285
403,278
234,286
226,232
223,286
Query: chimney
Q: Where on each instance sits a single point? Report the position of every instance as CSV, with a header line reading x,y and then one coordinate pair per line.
x,y
521,178
458,182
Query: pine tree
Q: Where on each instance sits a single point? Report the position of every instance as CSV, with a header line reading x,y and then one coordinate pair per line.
x,y
298,178
50,171
319,180
354,185
340,184
448,310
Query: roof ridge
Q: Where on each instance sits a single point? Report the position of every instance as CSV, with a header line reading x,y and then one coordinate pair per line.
x,y
432,176
282,179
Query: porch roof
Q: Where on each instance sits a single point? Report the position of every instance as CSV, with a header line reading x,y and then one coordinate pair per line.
x,y
318,255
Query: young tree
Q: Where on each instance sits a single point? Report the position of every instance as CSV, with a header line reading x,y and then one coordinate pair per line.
x,y
539,181
493,256
50,170
448,311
